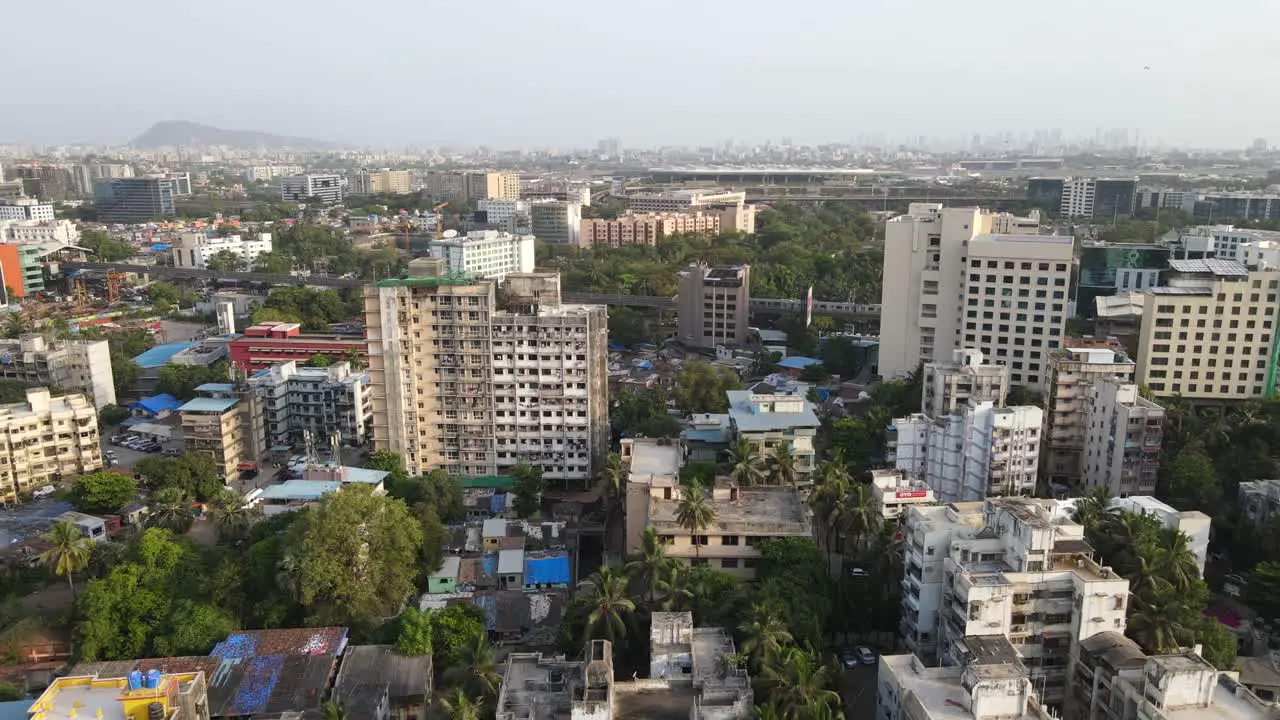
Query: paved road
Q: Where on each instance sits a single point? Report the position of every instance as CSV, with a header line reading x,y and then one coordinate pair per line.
x,y
858,688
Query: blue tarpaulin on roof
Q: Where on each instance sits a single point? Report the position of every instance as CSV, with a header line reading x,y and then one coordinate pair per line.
x,y
547,571
796,362
616,347
156,404
160,354
490,563
498,503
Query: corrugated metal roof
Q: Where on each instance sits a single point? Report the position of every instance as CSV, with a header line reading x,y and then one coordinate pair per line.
x,y
1217,266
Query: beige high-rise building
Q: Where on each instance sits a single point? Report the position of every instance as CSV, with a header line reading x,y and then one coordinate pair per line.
x,y
46,439
1074,370
474,385
214,426
380,182
471,185
646,228
713,304
1208,335
950,281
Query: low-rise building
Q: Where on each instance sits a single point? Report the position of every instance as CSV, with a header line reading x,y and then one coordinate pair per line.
x,y
91,527
685,655
537,687
646,228
47,439
271,343
326,402
39,232
484,253
212,425
767,420
195,250
407,682
80,365
1259,500
893,492
994,685
26,209
1074,369
1123,436
172,696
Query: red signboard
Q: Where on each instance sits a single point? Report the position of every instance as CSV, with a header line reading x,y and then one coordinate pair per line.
x,y
906,494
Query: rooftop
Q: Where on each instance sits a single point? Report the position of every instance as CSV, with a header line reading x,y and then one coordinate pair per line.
x,y
159,355
936,689
212,387
448,570
1214,266
102,698
758,511
653,457
300,490
208,405
747,416
405,677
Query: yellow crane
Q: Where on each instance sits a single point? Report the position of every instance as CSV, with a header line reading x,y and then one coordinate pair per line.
x,y
439,219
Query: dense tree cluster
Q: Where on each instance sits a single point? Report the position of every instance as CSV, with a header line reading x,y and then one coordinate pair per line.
x,y
315,247
315,309
181,381
829,246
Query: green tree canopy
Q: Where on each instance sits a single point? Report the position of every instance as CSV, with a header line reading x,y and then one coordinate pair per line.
x,y
700,387
103,492
529,487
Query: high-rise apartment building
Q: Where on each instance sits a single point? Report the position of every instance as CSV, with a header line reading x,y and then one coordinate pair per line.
x,y
555,221
473,185
128,200
1104,198
80,365
110,171
947,387
464,383
325,187
713,305
1210,333
1123,437
1074,370
949,282
380,182
212,425
47,439
326,402
485,253
1008,568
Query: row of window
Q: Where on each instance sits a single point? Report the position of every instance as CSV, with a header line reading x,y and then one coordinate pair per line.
x,y
1195,388
1009,265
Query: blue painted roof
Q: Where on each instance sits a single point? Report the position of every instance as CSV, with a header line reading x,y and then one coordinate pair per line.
x,y
488,604
208,405
746,419
157,404
159,355
215,388
553,570
489,563
797,362
300,490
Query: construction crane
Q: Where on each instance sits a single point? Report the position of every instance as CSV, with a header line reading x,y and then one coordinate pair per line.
x,y
439,219
113,286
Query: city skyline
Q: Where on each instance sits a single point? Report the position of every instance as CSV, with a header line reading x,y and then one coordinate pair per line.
x,y
532,77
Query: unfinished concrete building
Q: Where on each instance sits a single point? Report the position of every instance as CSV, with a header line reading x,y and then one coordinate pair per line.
x,y
475,377
686,656
536,687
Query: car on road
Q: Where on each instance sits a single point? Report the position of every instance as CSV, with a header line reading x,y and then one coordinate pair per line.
x,y
172,452
849,658
118,439
858,572
44,491
865,656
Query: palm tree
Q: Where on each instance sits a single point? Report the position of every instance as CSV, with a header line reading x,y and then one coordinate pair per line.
x,y
611,483
460,707
649,568
747,466
799,682
859,514
68,552
1174,560
695,513
230,516
764,636
333,710
475,671
170,508
609,604
1159,618
782,465
1092,509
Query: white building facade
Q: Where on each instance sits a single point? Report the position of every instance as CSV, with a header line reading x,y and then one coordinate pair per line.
x,y
485,253
325,402
81,365
555,221
195,250
510,215
26,209
299,188
1123,437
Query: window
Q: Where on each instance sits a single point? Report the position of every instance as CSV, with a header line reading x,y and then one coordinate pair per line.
x,y
729,563
729,540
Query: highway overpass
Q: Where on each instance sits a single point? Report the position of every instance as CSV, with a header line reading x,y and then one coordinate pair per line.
x,y
850,311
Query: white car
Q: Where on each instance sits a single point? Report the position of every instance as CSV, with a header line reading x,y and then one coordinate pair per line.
x,y
44,491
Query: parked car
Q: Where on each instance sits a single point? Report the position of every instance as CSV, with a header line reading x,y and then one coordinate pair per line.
x,y
44,491
858,572
849,658
865,656
117,439
172,452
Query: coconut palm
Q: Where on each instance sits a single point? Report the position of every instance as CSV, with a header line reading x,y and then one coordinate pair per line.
x,y
1174,560
460,707
799,681
609,605
1093,508
610,481
747,467
333,710
1160,618
782,465
764,635
859,513
695,512
170,508
650,566
475,670
230,516
69,551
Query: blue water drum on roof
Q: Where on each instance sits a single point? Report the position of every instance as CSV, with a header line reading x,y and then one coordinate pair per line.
x,y
135,680
153,679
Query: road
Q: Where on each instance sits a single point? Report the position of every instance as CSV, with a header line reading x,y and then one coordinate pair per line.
x,y
858,690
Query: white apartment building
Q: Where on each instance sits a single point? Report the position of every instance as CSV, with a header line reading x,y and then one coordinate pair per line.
x,y
462,383
994,686
948,387
1010,568
484,253
510,215
1077,197
1224,242
893,492
984,450
1260,254
46,439
1074,370
259,173
194,250
949,282
80,365
684,200
299,188
110,171
325,402
1208,334
26,209
1123,435
555,221
39,232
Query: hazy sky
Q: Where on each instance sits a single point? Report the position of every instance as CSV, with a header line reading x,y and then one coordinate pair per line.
x,y
530,73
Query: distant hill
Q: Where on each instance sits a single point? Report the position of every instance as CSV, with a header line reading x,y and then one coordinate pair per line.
x,y
181,133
